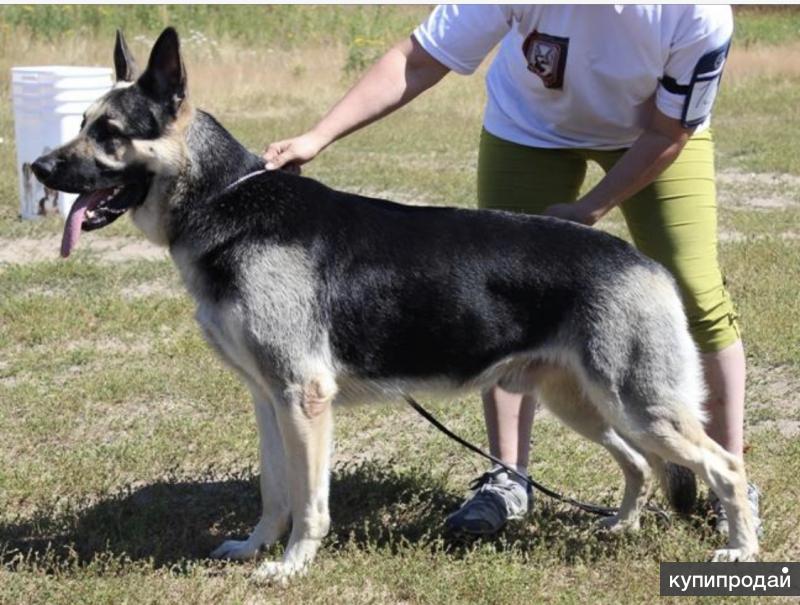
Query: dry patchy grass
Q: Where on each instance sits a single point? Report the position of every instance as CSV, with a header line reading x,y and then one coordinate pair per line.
x,y
759,61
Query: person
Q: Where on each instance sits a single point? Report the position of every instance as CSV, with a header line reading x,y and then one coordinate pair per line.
x,y
628,87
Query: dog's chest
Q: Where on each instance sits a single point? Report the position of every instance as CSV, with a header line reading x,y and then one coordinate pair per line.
x,y
224,329
263,317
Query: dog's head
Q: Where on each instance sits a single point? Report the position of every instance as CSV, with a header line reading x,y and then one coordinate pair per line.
x,y
129,137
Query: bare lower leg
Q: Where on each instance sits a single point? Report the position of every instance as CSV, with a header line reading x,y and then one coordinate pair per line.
x,y
509,418
725,377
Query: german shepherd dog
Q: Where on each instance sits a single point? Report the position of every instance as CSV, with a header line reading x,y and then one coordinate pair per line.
x,y
318,297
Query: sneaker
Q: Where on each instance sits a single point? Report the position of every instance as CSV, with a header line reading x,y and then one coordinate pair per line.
x,y
495,500
720,519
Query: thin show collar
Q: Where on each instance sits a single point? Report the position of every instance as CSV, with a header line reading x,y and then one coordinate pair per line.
x,y
240,180
233,185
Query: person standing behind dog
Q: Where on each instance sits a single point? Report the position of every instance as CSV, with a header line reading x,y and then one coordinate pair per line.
x,y
629,87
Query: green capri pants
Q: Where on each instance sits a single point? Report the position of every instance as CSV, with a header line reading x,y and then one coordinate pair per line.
x,y
673,220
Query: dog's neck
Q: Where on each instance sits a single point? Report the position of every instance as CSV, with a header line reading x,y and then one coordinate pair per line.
x,y
216,159
211,160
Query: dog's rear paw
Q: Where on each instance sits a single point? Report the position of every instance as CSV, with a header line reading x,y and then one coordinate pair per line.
x,y
238,550
724,555
277,573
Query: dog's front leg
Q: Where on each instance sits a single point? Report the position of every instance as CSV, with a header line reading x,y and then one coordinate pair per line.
x,y
305,419
274,491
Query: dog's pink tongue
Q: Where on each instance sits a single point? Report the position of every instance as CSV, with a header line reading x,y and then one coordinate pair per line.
x,y
72,226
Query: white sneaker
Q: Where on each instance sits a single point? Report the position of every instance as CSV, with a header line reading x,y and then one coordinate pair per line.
x,y
495,500
720,519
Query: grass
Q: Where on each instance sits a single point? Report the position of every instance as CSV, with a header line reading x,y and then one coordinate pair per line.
x,y
749,142
771,25
302,24
286,25
128,452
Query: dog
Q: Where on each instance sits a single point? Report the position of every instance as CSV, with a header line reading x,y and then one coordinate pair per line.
x,y
317,297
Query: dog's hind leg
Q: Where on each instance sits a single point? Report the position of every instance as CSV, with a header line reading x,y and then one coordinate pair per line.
x,y
565,399
305,418
274,491
672,432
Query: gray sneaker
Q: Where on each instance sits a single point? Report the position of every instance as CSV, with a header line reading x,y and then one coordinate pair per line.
x,y
720,518
495,500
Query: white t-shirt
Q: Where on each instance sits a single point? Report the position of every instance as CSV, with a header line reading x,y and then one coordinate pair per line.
x,y
584,76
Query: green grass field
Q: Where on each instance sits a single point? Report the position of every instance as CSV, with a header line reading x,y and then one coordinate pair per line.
x,y
127,451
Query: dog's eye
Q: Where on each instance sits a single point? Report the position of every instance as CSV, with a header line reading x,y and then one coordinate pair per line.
x,y
113,129
105,129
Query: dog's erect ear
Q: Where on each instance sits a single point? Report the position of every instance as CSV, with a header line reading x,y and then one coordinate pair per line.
x,y
165,77
124,63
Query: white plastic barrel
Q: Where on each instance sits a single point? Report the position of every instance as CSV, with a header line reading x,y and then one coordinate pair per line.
x,y
49,102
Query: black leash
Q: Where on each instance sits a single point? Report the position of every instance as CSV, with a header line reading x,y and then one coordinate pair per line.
x,y
603,511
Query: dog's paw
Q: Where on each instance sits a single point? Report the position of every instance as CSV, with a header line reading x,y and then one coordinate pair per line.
x,y
277,573
616,525
238,550
725,555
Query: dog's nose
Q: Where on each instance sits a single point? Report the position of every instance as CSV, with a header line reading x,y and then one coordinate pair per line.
x,y
43,167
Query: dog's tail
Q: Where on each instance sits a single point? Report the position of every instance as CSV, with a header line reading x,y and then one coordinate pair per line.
x,y
679,485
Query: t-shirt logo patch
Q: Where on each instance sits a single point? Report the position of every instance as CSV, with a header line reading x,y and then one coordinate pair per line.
x,y
547,57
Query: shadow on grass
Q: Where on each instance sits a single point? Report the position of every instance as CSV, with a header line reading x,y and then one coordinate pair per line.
x,y
175,521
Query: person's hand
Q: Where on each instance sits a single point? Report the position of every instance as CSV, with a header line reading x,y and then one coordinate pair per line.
x,y
290,154
574,212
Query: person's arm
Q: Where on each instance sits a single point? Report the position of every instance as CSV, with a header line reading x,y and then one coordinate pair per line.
x,y
683,101
404,72
654,150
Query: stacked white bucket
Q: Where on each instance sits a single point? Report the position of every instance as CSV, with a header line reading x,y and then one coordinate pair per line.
x,y
49,103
